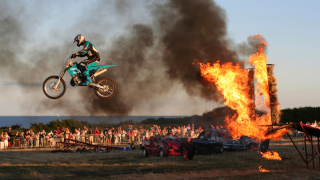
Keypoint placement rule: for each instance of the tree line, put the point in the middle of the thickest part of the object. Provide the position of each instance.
(215, 117)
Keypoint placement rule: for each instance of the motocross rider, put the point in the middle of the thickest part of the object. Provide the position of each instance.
(88, 50)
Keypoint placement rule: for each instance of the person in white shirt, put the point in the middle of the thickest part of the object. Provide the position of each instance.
(124, 133)
(6, 138)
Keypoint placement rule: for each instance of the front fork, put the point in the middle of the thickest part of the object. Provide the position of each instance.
(63, 71)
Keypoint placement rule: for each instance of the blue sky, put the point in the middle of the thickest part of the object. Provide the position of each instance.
(291, 29)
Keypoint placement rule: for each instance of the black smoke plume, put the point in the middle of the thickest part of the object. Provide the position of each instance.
(150, 59)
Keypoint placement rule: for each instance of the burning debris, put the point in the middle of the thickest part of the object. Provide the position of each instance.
(232, 81)
(274, 104)
(263, 170)
(271, 155)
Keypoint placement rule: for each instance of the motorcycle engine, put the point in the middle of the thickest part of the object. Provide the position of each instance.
(77, 79)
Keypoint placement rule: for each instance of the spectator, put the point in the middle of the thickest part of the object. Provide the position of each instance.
(185, 130)
(17, 140)
(189, 147)
(90, 136)
(110, 136)
(136, 135)
(165, 131)
(193, 135)
(11, 137)
(113, 134)
(6, 138)
(189, 129)
(147, 134)
(119, 134)
(101, 137)
(170, 136)
(106, 135)
(1, 141)
(43, 137)
(50, 134)
(58, 130)
(85, 129)
(22, 140)
(123, 136)
(27, 136)
(170, 130)
(32, 140)
(83, 136)
(96, 134)
(47, 140)
(37, 139)
(133, 135)
(129, 135)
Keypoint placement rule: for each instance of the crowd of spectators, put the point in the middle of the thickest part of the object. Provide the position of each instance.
(107, 136)
(112, 136)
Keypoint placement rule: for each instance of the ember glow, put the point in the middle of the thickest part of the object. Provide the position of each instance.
(232, 82)
(271, 155)
(263, 170)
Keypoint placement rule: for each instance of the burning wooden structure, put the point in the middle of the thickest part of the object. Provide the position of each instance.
(274, 103)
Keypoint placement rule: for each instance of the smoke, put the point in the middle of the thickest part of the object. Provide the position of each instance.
(150, 57)
(129, 54)
(196, 31)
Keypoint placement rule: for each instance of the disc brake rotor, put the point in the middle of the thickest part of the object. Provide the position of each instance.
(52, 87)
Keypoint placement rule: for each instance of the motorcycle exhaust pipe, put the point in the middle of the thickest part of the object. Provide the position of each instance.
(99, 72)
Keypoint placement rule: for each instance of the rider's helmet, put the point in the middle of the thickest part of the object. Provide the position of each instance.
(80, 40)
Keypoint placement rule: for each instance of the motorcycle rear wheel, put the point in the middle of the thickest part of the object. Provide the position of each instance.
(109, 90)
(50, 91)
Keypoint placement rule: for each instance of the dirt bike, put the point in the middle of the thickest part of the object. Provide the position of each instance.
(54, 87)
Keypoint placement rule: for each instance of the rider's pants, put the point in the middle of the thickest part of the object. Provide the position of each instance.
(86, 72)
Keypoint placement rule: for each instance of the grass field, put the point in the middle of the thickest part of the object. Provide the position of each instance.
(131, 165)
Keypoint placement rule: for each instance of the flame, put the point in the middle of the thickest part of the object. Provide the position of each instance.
(232, 81)
(263, 170)
(271, 155)
(259, 60)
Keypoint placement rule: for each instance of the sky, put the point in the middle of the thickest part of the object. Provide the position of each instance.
(291, 29)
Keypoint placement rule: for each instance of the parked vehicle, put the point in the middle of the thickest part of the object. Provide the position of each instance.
(161, 147)
(251, 143)
(223, 136)
(207, 146)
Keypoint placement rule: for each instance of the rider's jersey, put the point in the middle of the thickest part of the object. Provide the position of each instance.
(88, 50)
(91, 52)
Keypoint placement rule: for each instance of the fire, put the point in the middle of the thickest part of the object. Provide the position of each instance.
(259, 60)
(263, 170)
(232, 81)
(271, 155)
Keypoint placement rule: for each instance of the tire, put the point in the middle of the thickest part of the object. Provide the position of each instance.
(252, 146)
(144, 152)
(221, 149)
(264, 145)
(110, 88)
(48, 89)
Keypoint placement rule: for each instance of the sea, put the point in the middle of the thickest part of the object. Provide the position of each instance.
(25, 121)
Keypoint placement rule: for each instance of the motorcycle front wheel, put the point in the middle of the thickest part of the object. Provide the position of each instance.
(109, 89)
(50, 88)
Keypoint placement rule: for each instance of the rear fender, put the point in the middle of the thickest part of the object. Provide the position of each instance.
(99, 67)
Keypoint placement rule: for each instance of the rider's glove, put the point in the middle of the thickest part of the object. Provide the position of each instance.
(73, 56)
